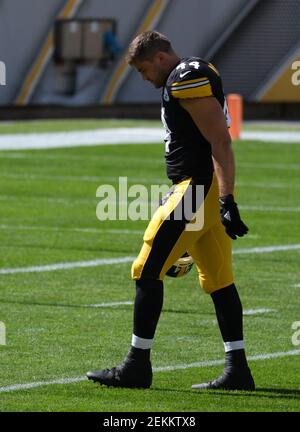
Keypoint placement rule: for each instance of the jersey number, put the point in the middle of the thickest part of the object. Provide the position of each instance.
(195, 64)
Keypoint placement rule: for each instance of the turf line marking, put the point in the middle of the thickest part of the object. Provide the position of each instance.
(272, 137)
(109, 261)
(27, 386)
(266, 249)
(96, 137)
(121, 303)
(275, 166)
(257, 311)
(267, 356)
(270, 208)
(85, 230)
(296, 285)
(267, 185)
(66, 266)
(101, 305)
(110, 136)
(221, 361)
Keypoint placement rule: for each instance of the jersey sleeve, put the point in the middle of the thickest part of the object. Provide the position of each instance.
(190, 80)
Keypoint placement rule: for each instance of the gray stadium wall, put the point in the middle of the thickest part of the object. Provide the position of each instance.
(236, 35)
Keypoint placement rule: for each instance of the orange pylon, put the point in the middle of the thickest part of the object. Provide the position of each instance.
(235, 108)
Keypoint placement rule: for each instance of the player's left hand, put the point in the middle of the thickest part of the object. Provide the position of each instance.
(230, 217)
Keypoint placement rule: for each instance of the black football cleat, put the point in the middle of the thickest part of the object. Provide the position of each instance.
(235, 379)
(130, 374)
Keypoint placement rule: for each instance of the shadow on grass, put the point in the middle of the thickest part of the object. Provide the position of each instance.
(259, 392)
(288, 393)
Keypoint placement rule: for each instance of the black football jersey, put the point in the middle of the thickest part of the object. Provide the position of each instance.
(187, 152)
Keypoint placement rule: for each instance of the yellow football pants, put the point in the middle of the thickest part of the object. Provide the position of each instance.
(166, 240)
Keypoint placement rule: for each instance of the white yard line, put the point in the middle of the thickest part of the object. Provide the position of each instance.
(248, 185)
(273, 137)
(274, 166)
(270, 208)
(104, 305)
(129, 302)
(257, 311)
(67, 265)
(267, 249)
(267, 356)
(109, 261)
(95, 137)
(84, 230)
(220, 362)
(46, 140)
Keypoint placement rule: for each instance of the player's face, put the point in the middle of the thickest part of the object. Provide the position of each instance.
(152, 71)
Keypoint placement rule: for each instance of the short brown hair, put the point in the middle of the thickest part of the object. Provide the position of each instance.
(146, 45)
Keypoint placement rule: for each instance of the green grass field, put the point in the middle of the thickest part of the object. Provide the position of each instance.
(47, 216)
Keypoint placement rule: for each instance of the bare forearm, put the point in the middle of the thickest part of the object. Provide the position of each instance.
(224, 165)
(210, 120)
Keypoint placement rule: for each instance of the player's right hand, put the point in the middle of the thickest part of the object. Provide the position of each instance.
(230, 217)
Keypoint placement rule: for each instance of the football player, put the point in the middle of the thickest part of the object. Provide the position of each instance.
(198, 152)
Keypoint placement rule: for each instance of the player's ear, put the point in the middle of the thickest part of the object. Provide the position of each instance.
(159, 56)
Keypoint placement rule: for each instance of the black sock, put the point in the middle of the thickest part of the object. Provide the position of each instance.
(229, 313)
(147, 308)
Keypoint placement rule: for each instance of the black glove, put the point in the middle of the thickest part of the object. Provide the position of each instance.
(230, 217)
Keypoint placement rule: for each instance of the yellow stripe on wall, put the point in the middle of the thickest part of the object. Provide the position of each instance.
(46, 51)
(153, 14)
(283, 88)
